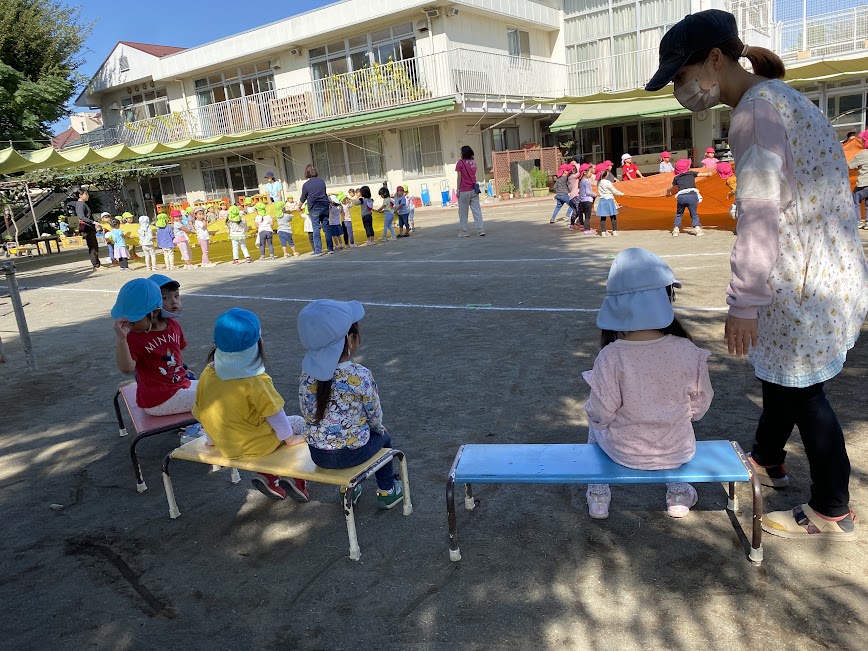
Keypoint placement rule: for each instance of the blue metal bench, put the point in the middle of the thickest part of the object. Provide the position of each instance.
(715, 461)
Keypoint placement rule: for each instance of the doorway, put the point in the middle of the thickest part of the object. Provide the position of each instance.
(613, 140)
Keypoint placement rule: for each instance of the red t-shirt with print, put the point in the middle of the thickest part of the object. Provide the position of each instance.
(159, 369)
(629, 171)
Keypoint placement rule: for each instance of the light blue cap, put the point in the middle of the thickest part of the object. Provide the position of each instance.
(322, 327)
(636, 297)
(137, 299)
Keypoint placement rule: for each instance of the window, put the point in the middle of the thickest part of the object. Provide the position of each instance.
(242, 176)
(846, 113)
(244, 81)
(652, 137)
(518, 42)
(498, 139)
(172, 188)
(420, 151)
(590, 145)
(214, 179)
(353, 160)
(682, 134)
(357, 52)
(142, 106)
(289, 165)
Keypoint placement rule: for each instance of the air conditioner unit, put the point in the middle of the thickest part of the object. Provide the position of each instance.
(274, 64)
(295, 51)
(432, 13)
(453, 11)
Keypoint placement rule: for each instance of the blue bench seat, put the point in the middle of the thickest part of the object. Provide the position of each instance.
(715, 461)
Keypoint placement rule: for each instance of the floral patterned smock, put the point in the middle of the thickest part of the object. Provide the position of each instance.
(353, 413)
(798, 264)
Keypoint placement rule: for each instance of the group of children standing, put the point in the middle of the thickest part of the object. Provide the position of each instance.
(573, 188)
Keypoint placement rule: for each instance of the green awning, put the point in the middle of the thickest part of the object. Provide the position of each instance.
(586, 114)
(12, 161)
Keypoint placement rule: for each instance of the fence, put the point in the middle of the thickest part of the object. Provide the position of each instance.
(547, 159)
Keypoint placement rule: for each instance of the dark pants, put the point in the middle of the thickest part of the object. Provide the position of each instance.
(860, 194)
(690, 201)
(368, 223)
(318, 213)
(92, 247)
(326, 231)
(785, 407)
(124, 263)
(603, 223)
(347, 458)
(587, 207)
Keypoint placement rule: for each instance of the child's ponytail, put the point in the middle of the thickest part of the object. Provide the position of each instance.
(324, 387)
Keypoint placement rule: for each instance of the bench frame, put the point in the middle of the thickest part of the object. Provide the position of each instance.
(756, 549)
(141, 486)
(373, 464)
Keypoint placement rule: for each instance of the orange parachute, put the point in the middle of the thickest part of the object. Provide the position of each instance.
(645, 205)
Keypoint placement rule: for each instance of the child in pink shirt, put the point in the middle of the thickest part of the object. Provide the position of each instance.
(649, 382)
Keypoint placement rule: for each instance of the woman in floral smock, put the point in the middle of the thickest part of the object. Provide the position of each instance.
(799, 289)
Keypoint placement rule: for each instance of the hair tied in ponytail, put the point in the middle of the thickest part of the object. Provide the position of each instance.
(745, 50)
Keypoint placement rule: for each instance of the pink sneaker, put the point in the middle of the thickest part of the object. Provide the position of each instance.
(599, 496)
(679, 498)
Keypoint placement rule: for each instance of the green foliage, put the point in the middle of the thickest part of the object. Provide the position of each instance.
(538, 178)
(41, 42)
(109, 177)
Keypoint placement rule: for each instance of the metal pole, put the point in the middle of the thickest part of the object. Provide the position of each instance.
(8, 267)
(32, 211)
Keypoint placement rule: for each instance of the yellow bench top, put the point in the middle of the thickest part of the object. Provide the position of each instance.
(286, 461)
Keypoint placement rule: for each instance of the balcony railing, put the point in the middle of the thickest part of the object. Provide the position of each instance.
(823, 35)
(612, 74)
(375, 88)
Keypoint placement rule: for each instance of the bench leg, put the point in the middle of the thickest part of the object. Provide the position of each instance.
(732, 502)
(469, 504)
(454, 551)
(234, 476)
(121, 427)
(141, 486)
(405, 484)
(756, 550)
(170, 491)
(355, 551)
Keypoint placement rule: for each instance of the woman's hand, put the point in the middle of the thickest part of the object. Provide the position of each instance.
(740, 334)
(122, 328)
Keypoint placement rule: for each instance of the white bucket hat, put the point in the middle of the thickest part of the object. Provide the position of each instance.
(636, 297)
(322, 327)
(625, 157)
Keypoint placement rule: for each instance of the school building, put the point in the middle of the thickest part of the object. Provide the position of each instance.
(374, 90)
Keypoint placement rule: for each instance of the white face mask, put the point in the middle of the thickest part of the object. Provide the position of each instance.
(694, 98)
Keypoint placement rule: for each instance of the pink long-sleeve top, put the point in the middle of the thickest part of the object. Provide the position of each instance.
(798, 263)
(644, 397)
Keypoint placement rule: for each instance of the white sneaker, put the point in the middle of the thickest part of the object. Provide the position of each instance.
(463, 234)
(679, 498)
(604, 234)
(697, 230)
(615, 233)
(599, 496)
(480, 232)
(675, 232)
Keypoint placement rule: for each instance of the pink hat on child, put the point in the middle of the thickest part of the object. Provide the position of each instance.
(665, 154)
(864, 137)
(724, 169)
(584, 167)
(710, 150)
(682, 165)
(602, 167)
(566, 167)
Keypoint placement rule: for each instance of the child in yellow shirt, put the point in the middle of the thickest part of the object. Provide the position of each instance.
(240, 410)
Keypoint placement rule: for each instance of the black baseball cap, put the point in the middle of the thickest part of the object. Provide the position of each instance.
(694, 33)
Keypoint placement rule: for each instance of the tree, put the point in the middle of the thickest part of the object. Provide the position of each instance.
(41, 42)
(108, 177)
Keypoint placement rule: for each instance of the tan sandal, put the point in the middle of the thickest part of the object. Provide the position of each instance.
(804, 522)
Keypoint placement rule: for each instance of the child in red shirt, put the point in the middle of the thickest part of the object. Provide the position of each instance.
(150, 346)
(629, 169)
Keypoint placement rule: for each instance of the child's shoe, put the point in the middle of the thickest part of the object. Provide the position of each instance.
(590, 231)
(604, 233)
(235, 262)
(390, 498)
(679, 498)
(357, 493)
(286, 255)
(463, 234)
(676, 231)
(772, 476)
(295, 488)
(269, 485)
(616, 233)
(599, 496)
(248, 260)
(697, 231)
(271, 257)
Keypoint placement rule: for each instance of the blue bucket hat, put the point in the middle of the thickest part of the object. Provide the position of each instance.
(322, 327)
(236, 335)
(137, 299)
(636, 297)
(164, 282)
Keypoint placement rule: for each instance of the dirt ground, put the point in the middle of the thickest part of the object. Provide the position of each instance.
(88, 563)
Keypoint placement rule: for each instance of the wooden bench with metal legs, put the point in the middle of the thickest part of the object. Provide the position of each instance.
(293, 461)
(145, 426)
(715, 461)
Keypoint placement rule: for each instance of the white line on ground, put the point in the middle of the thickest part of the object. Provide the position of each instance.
(579, 257)
(418, 306)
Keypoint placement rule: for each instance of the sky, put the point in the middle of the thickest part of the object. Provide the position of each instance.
(183, 23)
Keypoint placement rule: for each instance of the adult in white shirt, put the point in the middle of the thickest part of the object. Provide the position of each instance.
(273, 188)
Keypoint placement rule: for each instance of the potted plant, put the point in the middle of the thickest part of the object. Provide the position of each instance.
(525, 187)
(540, 182)
(504, 191)
(512, 189)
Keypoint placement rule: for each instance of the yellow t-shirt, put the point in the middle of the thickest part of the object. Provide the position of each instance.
(233, 413)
